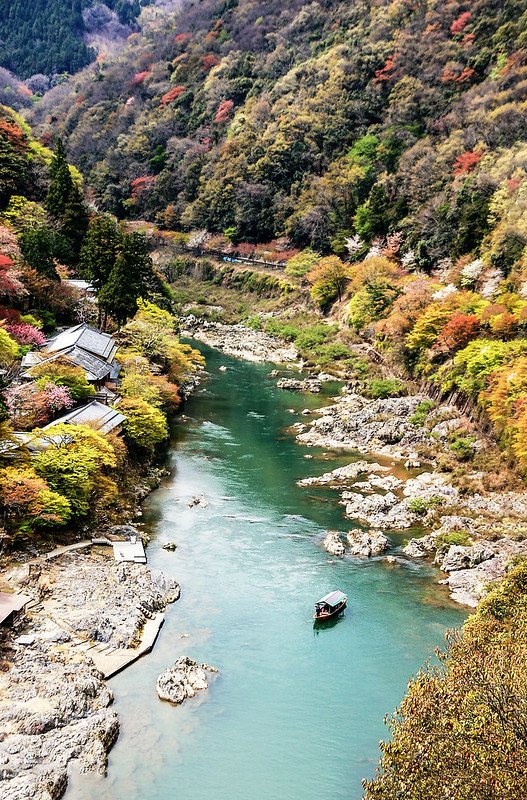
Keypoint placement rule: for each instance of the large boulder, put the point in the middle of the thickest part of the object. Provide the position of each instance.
(293, 384)
(333, 544)
(467, 586)
(367, 543)
(183, 680)
(463, 557)
(420, 547)
(343, 475)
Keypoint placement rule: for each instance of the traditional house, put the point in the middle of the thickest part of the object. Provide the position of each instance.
(99, 416)
(82, 346)
(84, 288)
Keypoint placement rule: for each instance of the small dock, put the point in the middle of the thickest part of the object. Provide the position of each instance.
(110, 661)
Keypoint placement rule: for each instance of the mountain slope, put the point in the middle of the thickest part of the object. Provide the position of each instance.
(319, 120)
(48, 36)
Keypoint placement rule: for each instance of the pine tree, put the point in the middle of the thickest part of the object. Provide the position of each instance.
(100, 249)
(132, 277)
(65, 204)
(74, 223)
(61, 183)
(39, 247)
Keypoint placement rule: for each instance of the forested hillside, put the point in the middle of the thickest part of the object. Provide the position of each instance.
(46, 231)
(47, 36)
(319, 120)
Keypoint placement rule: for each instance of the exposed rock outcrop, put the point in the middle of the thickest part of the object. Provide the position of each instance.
(183, 680)
(333, 544)
(358, 423)
(292, 384)
(239, 341)
(367, 543)
(343, 475)
(55, 707)
(463, 557)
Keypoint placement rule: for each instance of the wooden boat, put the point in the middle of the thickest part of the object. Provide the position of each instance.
(330, 606)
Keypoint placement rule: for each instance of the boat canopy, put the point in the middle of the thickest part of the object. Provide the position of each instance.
(333, 599)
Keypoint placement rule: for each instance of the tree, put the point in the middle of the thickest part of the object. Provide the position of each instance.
(145, 426)
(61, 373)
(39, 248)
(74, 463)
(100, 249)
(154, 389)
(10, 283)
(151, 335)
(302, 263)
(376, 282)
(8, 347)
(460, 732)
(426, 329)
(328, 280)
(27, 502)
(30, 404)
(65, 204)
(456, 332)
(132, 277)
(24, 214)
(74, 223)
(60, 183)
(373, 217)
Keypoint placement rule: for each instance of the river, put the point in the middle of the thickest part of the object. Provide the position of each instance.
(296, 713)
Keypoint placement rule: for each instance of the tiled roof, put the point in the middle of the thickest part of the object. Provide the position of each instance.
(96, 368)
(99, 344)
(104, 418)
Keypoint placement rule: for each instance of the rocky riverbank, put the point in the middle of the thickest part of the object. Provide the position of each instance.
(469, 533)
(55, 707)
(239, 341)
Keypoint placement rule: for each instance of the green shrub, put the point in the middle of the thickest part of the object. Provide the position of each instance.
(381, 388)
(463, 448)
(421, 412)
(282, 328)
(315, 335)
(418, 505)
(254, 322)
(334, 351)
(453, 538)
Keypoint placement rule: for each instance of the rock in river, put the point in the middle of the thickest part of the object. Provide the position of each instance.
(183, 680)
(367, 543)
(333, 544)
(307, 385)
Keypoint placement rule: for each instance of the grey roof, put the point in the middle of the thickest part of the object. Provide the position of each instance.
(11, 602)
(104, 418)
(94, 341)
(132, 550)
(31, 359)
(96, 368)
(77, 283)
(333, 598)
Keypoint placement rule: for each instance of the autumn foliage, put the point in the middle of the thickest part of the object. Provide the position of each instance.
(172, 95)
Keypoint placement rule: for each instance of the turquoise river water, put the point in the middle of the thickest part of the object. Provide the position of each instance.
(296, 713)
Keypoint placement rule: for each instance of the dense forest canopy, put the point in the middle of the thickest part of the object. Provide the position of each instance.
(48, 36)
(317, 120)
